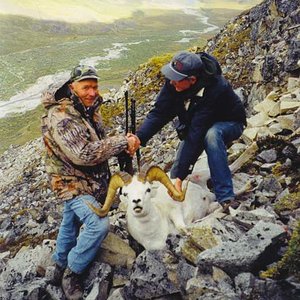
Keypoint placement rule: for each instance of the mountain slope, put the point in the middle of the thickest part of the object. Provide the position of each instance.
(260, 48)
(224, 256)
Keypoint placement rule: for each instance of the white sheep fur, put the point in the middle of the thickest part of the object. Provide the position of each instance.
(152, 214)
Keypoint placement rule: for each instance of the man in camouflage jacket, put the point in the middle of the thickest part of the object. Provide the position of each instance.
(77, 153)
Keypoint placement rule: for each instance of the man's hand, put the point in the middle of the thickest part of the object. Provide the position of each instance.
(178, 186)
(133, 143)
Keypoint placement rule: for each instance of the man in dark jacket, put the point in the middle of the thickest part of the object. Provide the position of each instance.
(210, 116)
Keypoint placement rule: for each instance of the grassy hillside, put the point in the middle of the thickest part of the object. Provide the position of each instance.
(33, 48)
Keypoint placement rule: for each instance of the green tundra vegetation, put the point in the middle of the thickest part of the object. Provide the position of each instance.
(32, 48)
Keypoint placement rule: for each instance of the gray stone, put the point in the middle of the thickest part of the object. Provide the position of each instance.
(267, 167)
(244, 283)
(252, 217)
(116, 295)
(270, 184)
(99, 290)
(269, 68)
(185, 272)
(214, 285)
(268, 156)
(55, 292)
(250, 252)
(121, 276)
(150, 277)
(293, 56)
(249, 287)
(115, 251)
(30, 291)
(97, 278)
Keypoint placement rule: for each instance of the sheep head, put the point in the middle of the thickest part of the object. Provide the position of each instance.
(137, 196)
(139, 190)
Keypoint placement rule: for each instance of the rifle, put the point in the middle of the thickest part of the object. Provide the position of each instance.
(133, 130)
(124, 159)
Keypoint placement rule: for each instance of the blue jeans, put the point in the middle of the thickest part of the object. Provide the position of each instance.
(216, 139)
(75, 251)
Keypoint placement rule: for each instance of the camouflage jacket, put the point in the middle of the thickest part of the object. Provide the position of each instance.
(77, 150)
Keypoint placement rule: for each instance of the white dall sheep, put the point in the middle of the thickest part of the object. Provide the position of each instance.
(151, 212)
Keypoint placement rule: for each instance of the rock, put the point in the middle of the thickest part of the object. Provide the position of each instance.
(267, 167)
(56, 293)
(268, 156)
(98, 282)
(249, 287)
(286, 106)
(250, 252)
(23, 267)
(115, 252)
(206, 234)
(250, 134)
(150, 277)
(211, 285)
(116, 295)
(259, 120)
(201, 238)
(270, 184)
(293, 83)
(250, 218)
(271, 108)
(185, 272)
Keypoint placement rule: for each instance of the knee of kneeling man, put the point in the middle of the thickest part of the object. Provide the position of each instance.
(211, 138)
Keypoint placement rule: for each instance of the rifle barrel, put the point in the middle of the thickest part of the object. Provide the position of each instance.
(133, 129)
(126, 112)
(133, 119)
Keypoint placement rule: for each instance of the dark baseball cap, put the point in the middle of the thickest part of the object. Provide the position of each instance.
(82, 72)
(183, 65)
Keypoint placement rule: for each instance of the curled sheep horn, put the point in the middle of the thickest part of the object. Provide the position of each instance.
(118, 180)
(155, 173)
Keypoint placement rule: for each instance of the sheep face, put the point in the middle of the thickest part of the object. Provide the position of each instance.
(137, 196)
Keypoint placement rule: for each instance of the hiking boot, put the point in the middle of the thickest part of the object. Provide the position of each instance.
(57, 275)
(229, 203)
(71, 285)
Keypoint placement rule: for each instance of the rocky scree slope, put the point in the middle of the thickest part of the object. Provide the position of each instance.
(225, 255)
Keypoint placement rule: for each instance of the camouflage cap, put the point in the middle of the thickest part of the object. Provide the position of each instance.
(82, 72)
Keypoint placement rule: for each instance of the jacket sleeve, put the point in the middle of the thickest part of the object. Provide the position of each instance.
(163, 112)
(73, 138)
